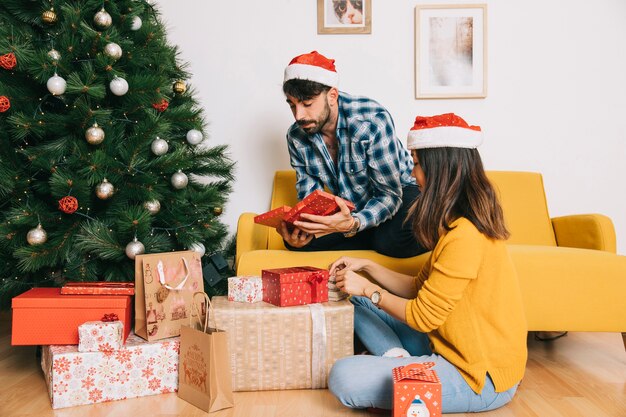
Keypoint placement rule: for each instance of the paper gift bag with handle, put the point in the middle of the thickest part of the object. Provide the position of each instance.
(204, 375)
(164, 288)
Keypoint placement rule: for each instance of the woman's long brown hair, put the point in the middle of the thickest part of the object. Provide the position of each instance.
(456, 186)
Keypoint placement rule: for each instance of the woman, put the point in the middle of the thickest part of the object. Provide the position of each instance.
(464, 310)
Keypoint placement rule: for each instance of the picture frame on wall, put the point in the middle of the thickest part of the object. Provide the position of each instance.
(344, 16)
(451, 51)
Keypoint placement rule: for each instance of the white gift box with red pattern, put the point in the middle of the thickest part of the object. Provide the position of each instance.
(245, 289)
(139, 369)
(100, 336)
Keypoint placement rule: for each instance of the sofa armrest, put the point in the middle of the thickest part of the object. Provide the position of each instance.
(250, 236)
(585, 231)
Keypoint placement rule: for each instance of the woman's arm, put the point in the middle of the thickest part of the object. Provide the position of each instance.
(399, 284)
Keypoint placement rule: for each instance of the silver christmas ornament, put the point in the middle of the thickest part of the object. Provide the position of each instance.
(54, 54)
(194, 137)
(105, 190)
(179, 180)
(198, 248)
(153, 206)
(94, 135)
(159, 146)
(56, 85)
(102, 19)
(135, 248)
(136, 25)
(36, 236)
(118, 86)
(113, 50)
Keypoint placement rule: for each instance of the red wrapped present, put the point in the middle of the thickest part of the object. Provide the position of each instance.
(43, 316)
(295, 286)
(319, 203)
(273, 217)
(416, 391)
(110, 288)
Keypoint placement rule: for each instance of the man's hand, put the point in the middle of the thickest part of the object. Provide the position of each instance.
(297, 238)
(340, 222)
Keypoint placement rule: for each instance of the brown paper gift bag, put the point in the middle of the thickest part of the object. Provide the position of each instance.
(204, 377)
(164, 288)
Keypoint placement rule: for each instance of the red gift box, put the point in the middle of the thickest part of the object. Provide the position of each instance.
(293, 286)
(43, 316)
(104, 288)
(319, 203)
(416, 391)
(273, 217)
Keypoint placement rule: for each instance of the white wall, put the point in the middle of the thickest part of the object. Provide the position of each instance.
(556, 99)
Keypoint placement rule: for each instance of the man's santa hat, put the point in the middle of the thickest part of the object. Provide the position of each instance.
(444, 130)
(313, 67)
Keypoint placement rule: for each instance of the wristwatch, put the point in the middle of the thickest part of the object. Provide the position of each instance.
(355, 227)
(375, 298)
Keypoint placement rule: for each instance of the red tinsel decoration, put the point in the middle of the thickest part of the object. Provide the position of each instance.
(5, 104)
(68, 204)
(161, 106)
(8, 61)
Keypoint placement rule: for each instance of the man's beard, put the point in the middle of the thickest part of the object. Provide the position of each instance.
(318, 124)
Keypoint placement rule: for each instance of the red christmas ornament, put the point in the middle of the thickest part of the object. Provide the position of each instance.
(8, 61)
(161, 106)
(5, 104)
(68, 204)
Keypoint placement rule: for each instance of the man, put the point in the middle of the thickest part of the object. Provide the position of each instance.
(348, 145)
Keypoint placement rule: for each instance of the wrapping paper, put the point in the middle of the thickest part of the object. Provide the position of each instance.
(138, 369)
(100, 336)
(416, 391)
(274, 348)
(295, 285)
(111, 288)
(245, 289)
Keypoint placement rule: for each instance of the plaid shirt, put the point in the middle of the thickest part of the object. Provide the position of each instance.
(372, 164)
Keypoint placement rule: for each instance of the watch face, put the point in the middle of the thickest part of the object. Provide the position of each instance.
(375, 297)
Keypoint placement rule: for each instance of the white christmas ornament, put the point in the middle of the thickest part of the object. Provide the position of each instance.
(135, 248)
(102, 19)
(159, 146)
(113, 50)
(153, 206)
(136, 25)
(118, 86)
(94, 135)
(105, 190)
(54, 54)
(36, 236)
(198, 248)
(179, 180)
(56, 85)
(194, 137)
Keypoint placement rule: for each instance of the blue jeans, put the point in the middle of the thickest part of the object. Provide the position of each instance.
(365, 381)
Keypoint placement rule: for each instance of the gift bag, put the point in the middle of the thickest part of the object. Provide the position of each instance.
(164, 288)
(204, 377)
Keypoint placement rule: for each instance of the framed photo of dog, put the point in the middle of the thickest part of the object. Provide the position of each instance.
(344, 16)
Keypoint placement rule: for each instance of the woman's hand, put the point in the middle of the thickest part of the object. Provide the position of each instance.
(349, 264)
(353, 283)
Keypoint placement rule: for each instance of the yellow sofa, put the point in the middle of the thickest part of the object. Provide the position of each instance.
(570, 275)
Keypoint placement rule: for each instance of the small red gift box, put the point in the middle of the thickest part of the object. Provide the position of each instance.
(295, 286)
(319, 203)
(105, 288)
(416, 391)
(273, 217)
(43, 316)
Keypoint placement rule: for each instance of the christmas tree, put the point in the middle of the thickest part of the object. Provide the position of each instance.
(103, 154)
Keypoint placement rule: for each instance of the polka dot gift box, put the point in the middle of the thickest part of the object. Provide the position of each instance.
(416, 391)
(294, 286)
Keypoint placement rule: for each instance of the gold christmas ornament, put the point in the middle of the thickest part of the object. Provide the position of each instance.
(54, 54)
(179, 87)
(102, 19)
(105, 190)
(49, 16)
(217, 211)
(36, 236)
(94, 135)
(153, 206)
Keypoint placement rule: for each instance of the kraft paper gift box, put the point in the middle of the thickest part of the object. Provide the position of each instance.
(110, 288)
(245, 289)
(43, 316)
(139, 369)
(416, 391)
(100, 336)
(277, 348)
(295, 285)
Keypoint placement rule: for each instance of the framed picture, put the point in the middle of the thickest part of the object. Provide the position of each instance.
(451, 51)
(344, 16)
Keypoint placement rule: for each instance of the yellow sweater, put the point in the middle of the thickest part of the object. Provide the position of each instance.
(469, 303)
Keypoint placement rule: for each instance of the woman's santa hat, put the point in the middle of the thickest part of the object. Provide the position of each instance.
(444, 130)
(313, 67)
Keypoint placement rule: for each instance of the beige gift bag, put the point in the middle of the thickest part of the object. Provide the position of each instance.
(204, 377)
(164, 288)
